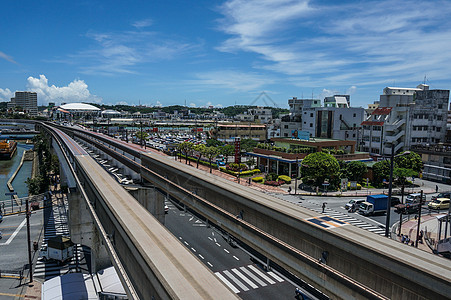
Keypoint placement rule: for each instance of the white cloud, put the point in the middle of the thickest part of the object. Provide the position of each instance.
(339, 44)
(233, 80)
(142, 23)
(158, 104)
(122, 103)
(5, 95)
(351, 90)
(7, 57)
(75, 91)
(192, 104)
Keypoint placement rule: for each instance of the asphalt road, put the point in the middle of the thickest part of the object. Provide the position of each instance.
(13, 245)
(231, 264)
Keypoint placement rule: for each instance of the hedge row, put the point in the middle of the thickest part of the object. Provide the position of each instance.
(244, 173)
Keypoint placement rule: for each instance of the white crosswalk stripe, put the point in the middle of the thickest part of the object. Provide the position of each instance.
(246, 277)
(348, 219)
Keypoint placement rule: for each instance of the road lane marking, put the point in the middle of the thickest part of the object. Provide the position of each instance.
(218, 245)
(252, 285)
(274, 275)
(226, 250)
(233, 288)
(210, 238)
(251, 275)
(186, 243)
(261, 274)
(15, 233)
(236, 257)
(193, 249)
(208, 263)
(234, 279)
(201, 256)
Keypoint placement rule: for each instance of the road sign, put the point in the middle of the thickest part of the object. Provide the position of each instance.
(11, 194)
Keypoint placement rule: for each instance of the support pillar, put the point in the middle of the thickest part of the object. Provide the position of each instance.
(151, 199)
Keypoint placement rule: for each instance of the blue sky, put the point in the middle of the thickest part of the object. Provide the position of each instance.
(221, 53)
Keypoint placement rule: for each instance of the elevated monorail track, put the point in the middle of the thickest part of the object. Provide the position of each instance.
(359, 265)
(151, 263)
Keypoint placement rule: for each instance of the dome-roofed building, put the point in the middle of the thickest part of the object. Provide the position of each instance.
(77, 110)
(110, 113)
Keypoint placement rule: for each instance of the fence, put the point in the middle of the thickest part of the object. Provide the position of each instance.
(14, 206)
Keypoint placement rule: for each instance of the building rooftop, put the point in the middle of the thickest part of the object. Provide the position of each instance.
(79, 107)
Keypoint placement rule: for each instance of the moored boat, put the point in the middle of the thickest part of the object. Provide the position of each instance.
(7, 149)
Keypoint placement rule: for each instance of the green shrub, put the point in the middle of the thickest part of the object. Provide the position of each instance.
(284, 178)
(271, 176)
(256, 171)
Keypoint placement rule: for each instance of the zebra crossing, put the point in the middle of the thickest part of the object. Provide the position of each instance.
(245, 278)
(351, 220)
(56, 224)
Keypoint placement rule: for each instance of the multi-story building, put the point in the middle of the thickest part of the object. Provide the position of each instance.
(336, 120)
(228, 132)
(406, 117)
(258, 115)
(293, 121)
(27, 101)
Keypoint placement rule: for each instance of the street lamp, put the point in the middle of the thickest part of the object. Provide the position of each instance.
(392, 158)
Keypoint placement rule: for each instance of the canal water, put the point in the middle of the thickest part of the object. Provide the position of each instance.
(7, 168)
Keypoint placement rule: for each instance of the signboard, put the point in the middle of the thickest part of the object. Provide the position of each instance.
(11, 194)
(300, 135)
(344, 184)
(237, 150)
(353, 184)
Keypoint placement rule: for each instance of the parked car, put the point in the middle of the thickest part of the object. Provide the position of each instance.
(166, 209)
(442, 195)
(407, 208)
(439, 203)
(356, 203)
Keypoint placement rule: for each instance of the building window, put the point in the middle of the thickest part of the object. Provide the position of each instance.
(439, 118)
(354, 115)
(438, 129)
(311, 124)
(311, 115)
(285, 134)
(440, 106)
(353, 135)
(285, 126)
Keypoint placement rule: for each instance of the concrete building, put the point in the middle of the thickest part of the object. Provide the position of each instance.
(336, 120)
(27, 101)
(228, 132)
(257, 115)
(406, 117)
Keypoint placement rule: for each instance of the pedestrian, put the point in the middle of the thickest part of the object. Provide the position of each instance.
(407, 240)
(436, 188)
(289, 190)
(403, 238)
(324, 206)
(420, 237)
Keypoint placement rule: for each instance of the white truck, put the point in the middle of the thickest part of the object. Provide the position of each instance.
(58, 248)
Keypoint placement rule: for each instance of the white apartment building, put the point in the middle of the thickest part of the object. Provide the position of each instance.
(406, 117)
(28, 101)
(259, 115)
(336, 120)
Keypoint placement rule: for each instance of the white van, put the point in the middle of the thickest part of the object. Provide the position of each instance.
(415, 198)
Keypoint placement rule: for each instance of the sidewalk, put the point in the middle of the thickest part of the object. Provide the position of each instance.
(428, 224)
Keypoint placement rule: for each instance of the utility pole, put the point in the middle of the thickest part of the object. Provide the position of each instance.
(419, 219)
(387, 220)
(296, 177)
(27, 211)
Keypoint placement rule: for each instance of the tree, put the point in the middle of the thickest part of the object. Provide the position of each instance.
(409, 161)
(356, 170)
(213, 142)
(210, 153)
(250, 162)
(185, 148)
(226, 151)
(381, 171)
(318, 166)
(141, 136)
(200, 149)
(248, 144)
(401, 174)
